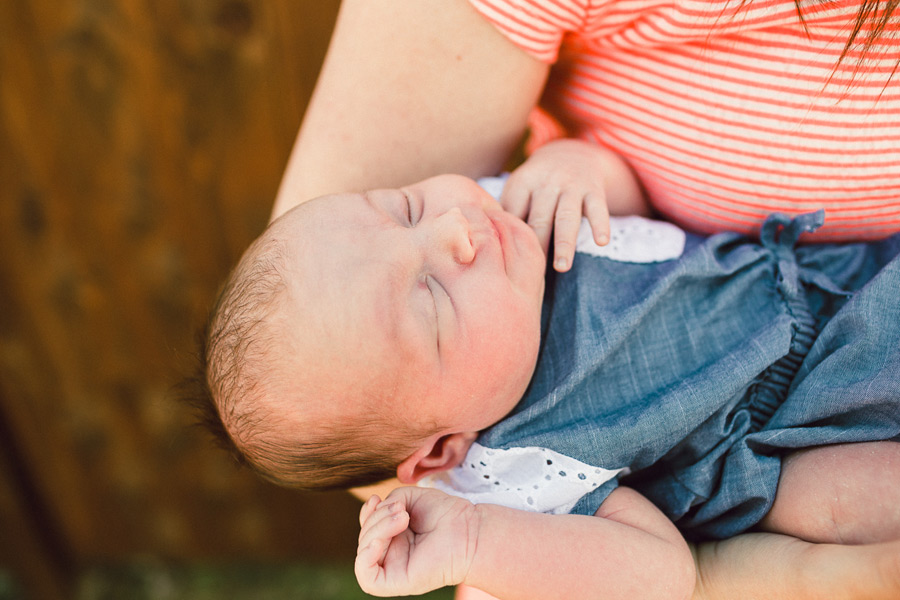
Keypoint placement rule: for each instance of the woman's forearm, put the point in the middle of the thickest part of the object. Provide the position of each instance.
(769, 566)
(409, 90)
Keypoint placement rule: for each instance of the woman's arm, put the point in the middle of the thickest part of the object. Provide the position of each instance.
(409, 90)
(771, 566)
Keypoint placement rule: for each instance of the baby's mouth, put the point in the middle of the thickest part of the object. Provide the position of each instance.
(501, 234)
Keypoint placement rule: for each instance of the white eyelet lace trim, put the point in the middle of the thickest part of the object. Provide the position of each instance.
(532, 479)
(635, 240)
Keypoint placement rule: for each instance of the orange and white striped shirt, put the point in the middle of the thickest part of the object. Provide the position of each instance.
(726, 115)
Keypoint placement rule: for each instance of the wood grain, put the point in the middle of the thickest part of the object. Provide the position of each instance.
(141, 145)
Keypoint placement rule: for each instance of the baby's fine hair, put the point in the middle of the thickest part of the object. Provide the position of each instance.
(237, 372)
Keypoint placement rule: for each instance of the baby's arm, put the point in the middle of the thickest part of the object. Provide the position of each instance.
(422, 539)
(565, 179)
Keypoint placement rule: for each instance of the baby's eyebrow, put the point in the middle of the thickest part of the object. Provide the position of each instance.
(368, 206)
(379, 214)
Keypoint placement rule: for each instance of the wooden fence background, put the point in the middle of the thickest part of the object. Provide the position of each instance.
(141, 145)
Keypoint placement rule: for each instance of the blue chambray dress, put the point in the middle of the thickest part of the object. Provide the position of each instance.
(691, 378)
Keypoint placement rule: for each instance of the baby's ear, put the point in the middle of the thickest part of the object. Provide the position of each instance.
(438, 453)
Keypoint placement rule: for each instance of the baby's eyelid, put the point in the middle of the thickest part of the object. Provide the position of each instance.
(429, 282)
(409, 209)
(415, 209)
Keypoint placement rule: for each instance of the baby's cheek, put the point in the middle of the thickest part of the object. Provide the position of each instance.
(511, 362)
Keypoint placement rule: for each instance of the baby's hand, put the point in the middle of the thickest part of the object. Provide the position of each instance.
(559, 183)
(415, 541)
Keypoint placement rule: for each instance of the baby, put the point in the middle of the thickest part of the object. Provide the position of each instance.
(366, 336)
(376, 301)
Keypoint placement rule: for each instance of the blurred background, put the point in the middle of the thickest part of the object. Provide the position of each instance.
(141, 146)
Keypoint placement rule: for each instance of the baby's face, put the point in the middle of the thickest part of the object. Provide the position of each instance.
(431, 294)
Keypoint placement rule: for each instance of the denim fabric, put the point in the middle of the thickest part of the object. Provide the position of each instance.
(699, 374)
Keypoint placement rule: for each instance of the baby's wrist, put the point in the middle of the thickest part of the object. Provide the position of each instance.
(486, 547)
(474, 521)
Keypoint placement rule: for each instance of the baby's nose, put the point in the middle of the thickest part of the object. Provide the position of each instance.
(452, 233)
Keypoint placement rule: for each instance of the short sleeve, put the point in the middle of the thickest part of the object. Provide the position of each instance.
(536, 26)
(532, 479)
(590, 503)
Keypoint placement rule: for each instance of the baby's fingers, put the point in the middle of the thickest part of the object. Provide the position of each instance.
(367, 509)
(373, 565)
(369, 570)
(541, 214)
(388, 520)
(565, 230)
(597, 213)
(515, 198)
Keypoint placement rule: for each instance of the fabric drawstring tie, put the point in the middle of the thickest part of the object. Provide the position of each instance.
(779, 234)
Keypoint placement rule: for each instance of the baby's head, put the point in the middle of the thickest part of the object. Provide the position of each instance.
(364, 336)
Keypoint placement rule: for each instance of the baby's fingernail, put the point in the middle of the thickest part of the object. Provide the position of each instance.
(602, 239)
(560, 263)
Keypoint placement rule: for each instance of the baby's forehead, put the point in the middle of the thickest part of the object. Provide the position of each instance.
(339, 291)
(322, 220)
